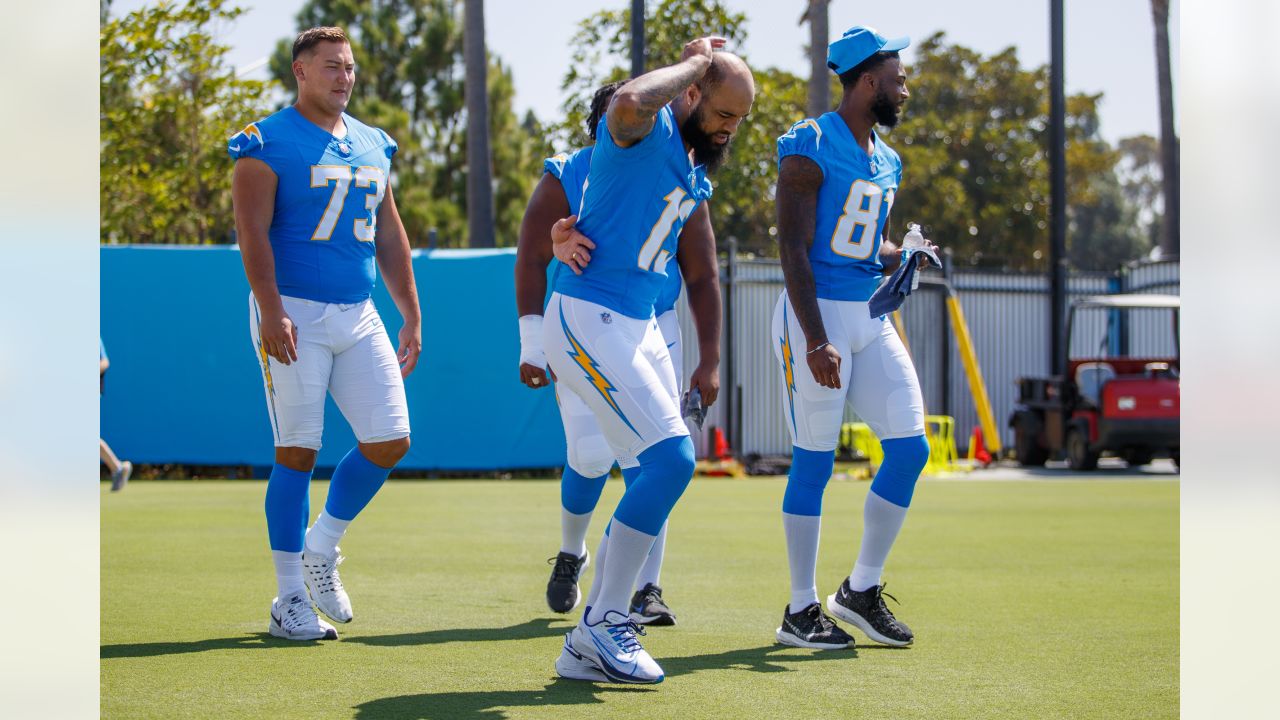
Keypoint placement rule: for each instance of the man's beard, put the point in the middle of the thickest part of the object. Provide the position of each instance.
(885, 111)
(705, 151)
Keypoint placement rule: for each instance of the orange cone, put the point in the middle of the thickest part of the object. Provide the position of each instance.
(720, 450)
(977, 449)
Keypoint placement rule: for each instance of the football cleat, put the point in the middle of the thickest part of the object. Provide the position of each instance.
(571, 664)
(611, 645)
(812, 628)
(321, 574)
(648, 608)
(120, 477)
(867, 611)
(563, 594)
(293, 618)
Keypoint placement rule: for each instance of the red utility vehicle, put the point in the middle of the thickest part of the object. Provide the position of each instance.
(1113, 401)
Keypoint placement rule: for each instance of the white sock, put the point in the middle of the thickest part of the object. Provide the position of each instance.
(602, 551)
(323, 537)
(288, 573)
(802, 556)
(881, 521)
(652, 570)
(573, 532)
(628, 548)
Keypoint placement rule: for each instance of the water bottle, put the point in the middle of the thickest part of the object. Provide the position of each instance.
(913, 240)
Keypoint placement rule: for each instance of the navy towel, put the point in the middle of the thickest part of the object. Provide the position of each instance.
(892, 292)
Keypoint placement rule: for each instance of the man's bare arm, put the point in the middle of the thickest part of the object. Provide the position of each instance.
(395, 260)
(635, 105)
(253, 197)
(696, 254)
(547, 204)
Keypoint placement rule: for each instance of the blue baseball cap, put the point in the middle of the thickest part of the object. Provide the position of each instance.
(857, 44)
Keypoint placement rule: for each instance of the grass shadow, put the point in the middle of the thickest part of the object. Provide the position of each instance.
(763, 659)
(488, 705)
(537, 628)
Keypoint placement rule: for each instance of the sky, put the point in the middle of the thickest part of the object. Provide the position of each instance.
(1109, 44)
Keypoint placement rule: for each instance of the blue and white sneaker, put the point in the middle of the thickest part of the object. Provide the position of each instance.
(293, 618)
(571, 664)
(611, 645)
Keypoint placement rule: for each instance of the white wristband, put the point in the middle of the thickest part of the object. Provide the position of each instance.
(531, 341)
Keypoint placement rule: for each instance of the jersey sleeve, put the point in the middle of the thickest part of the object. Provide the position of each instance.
(252, 142)
(805, 139)
(555, 164)
(664, 127)
(389, 143)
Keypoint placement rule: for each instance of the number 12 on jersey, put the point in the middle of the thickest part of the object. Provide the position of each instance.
(856, 231)
(677, 207)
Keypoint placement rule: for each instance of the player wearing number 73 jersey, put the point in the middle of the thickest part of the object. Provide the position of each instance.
(314, 211)
(836, 184)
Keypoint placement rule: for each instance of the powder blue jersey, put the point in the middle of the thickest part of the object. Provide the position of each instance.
(328, 191)
(571, 170)
(853, 204)
(635, 201)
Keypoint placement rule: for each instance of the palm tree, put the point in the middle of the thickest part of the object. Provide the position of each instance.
(819, 84)
(1169, 153)
(479, 183)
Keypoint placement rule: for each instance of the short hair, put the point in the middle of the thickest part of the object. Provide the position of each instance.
(850, 77)
(312, 37)
(600, 105)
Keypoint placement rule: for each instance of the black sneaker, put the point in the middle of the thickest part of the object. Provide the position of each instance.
(812, 628)
(647, 607)
(867, 611)
(562, 589)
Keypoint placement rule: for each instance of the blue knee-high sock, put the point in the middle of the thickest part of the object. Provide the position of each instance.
(288, 505)
(578, 493)
(904, 459)
(355, 481)
(885, 509)
(665, 471)
(810, 471)
(802, 521)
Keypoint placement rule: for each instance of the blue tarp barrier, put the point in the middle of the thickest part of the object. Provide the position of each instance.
(185, 385)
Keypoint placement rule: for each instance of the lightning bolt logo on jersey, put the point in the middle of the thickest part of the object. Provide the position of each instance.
(571, 171)
(328, 191)
(635, 201)
(853, 204)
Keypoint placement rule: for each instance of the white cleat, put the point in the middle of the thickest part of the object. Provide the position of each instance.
(610, 644)
(293, 618)
(571, 664)
(121, 476)
(321, 573)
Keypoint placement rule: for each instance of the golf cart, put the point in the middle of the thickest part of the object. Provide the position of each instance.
(1112, 400)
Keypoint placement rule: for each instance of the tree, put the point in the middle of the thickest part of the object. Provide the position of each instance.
(410, 81)
(168, 102)
(1140, 181)
(973, 140)
(479, 162)
(819, 74)
(1169, 153)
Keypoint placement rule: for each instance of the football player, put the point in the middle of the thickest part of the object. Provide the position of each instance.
(836, 185)
(662, 133)
(314, 212)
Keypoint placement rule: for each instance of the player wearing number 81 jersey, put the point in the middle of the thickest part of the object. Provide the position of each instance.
(314, 211)
(836, 185)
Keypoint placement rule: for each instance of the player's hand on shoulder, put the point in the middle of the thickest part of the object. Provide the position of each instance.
(824, 363)
(706, 378)
(410, 348)
(279, 337)
(703, 46)
(570, 246)
(533, 376)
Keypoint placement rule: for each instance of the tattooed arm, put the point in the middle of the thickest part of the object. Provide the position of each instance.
(798, 182)
(635, 105)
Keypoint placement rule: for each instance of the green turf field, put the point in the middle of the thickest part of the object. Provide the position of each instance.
(1033, 599)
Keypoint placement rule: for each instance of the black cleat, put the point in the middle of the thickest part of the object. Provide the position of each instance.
(867, 611)
(563, 594)
(647, 607)
(812, 628)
